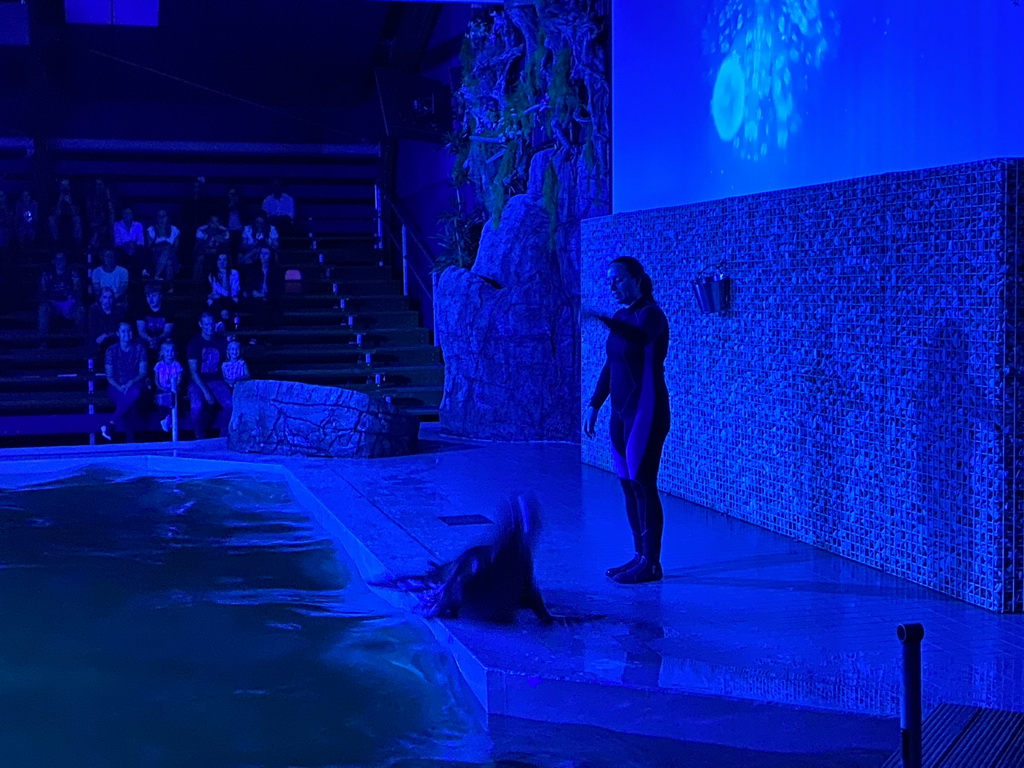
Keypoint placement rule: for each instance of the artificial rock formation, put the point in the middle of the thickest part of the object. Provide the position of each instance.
(289, 418)
(509, 330)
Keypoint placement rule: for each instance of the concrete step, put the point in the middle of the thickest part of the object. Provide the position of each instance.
(384, 375)
(374, 337)
(329, 316)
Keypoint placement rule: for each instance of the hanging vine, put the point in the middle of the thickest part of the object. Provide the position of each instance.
(533, 77)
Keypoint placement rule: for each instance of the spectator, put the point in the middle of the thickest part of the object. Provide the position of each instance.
(66, 217)
(225, 288)
(128, 236)
(262, 288)
(257, 234)
(206, 388)
(279, 207)
(112, 276)
(163, 241)
(127, 369)
(157, 322)
(60, 292)
(99, 208)
(234, 370)
(167, 377)
(104, 317)
(26, 220)
(211, 239)
(236, 215)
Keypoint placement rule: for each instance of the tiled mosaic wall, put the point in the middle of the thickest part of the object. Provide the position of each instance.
(860, 393)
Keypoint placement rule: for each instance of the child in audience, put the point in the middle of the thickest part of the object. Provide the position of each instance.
(234, 369)
(167, 375)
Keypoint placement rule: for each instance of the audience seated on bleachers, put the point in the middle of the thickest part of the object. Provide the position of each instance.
(257, 234)
(280, 208)
(211, 239)
(206, 387)
(225, 289)
(104, 317)
(26, 220)
(111, 275)
(129, 237)
(66, 217)
(60, 294)
(100, 211)
(157, 322)
(167, 375)
(163, 242)
(127, 368)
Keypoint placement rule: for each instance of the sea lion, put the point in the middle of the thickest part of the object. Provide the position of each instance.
(488, 582)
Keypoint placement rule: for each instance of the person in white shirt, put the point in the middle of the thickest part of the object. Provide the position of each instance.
(279, 207)
(129, 237)
(112, 276)
(163, 240)
(225, 288)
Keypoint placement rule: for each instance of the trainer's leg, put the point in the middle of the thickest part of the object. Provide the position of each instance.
(650, 513)
(632, 515)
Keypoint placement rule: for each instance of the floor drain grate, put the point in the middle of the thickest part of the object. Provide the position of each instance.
(466, 520)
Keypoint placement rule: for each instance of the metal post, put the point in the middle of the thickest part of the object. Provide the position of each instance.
(910, 636)
(174, 416)
(91, 388)
(405, 260)
(379, 207)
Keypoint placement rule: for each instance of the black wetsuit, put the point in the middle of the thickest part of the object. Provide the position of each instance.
(634, 376)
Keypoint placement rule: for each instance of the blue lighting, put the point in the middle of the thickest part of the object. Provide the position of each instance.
(719, 98)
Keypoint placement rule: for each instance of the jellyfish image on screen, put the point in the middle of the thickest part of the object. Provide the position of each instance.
(764, 54)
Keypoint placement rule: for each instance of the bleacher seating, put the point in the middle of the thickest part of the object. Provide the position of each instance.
(344, 321)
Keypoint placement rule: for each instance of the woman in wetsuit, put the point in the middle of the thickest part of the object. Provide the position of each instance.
(634, 377)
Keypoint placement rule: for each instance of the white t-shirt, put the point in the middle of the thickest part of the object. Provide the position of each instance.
(283, 207)
(172, 238)
(117, 280)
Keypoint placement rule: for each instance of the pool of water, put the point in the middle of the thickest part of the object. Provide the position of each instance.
(158, 619)
(205, 621)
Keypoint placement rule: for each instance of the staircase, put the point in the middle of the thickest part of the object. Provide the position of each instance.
(345, 320)
(346, 323)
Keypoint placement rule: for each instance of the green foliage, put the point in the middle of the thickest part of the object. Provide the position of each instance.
(533, 77)
(459, 232)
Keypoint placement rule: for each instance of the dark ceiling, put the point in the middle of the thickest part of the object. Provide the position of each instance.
(301, 56)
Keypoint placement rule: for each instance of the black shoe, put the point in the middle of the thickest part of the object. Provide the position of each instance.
(611, 573)
(642, 573)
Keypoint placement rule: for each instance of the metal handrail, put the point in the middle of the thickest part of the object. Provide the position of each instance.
(413, 232)
(408, 232)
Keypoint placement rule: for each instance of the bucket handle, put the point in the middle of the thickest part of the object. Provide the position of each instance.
(711, 272)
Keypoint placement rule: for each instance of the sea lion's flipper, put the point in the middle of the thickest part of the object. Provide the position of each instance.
(533, 600)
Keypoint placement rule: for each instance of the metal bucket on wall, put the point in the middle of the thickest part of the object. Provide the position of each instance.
(712, 292)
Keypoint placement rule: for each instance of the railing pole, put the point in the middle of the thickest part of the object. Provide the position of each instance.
(379, 206)
(91, 391)
(405, 260)
(910, 636)
(174, 416)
